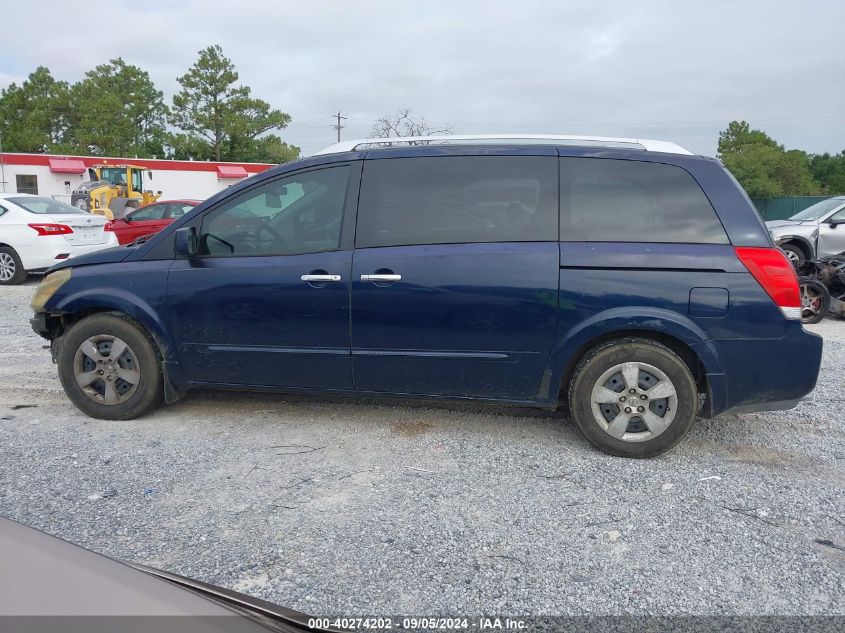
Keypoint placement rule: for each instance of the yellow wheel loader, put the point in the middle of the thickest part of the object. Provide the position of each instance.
(113, 190)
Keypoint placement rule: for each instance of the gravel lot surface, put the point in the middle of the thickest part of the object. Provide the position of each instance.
(384, 507)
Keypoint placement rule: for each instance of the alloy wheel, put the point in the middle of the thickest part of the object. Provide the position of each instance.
(811, 301)
(7, 267)
(792, 256)
(634, 402)
(106, 369)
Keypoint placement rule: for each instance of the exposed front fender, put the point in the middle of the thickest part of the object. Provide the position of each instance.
(119, 300)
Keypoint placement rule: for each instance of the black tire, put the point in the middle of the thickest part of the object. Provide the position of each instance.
(150, 388)
(820, 296)
(606, 356)
(10, 262)
(795, 254)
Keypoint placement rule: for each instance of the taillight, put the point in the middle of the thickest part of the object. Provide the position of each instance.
(108, 226)
(51, 229)
(776, 274)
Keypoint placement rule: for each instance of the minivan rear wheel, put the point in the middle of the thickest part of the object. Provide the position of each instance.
(633, 397)
(109, 368)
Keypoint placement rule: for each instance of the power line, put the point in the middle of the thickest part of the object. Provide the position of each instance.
(313, 125)
(614, 123)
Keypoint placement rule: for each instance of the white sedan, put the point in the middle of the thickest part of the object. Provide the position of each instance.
(37, 232)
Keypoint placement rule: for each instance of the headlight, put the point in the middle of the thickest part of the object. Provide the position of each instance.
(47, 288)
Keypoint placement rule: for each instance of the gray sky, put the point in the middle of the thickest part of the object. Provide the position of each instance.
(675, 70)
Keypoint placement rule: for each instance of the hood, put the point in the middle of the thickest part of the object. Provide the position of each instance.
(46, 576)
(783, 228)
(106, 256)
(88, 185)
(773, 224)
(43, 575)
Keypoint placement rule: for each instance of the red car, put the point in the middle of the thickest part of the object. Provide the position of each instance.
(149, 219)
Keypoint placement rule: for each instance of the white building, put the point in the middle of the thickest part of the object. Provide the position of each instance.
(57, 176)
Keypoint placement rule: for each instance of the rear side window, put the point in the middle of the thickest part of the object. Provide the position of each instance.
(44, 205)
(152, 212)
(606, 200)
(457, 199)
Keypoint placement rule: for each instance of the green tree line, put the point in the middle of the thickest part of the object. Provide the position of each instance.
(116, 110)
(766, 169)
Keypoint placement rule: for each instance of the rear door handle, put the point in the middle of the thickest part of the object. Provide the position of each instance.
(381, 277)
(320, 278)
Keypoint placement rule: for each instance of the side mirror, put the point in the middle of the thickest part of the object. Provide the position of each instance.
(150, 174)
(185, 242)
(834, 223)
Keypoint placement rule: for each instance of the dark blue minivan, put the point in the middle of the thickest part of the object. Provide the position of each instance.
(627, 279)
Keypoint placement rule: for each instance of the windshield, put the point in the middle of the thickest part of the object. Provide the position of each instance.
(113, 175)
(45, 206)
(818, 210)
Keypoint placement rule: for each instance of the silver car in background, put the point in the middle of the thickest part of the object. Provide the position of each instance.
(817, 231)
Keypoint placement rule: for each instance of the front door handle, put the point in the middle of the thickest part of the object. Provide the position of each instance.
(381, 277)
(320, 278)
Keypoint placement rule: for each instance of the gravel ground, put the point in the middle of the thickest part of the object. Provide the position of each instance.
(384, 507)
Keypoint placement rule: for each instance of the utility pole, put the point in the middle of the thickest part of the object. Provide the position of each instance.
(2, 165)
(338, 126)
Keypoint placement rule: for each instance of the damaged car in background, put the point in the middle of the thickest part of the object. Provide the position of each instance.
(814, 232)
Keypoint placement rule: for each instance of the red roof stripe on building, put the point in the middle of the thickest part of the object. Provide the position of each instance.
(65, 166)
(43, 160)
(231, 171)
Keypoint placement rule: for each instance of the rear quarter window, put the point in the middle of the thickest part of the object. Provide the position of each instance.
(42, 205)
(609, 200)
(457, 199)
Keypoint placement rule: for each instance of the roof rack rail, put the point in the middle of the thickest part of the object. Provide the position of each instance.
(522, 139)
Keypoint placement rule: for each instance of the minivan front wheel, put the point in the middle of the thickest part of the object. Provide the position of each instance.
(109, 368)
(633, 397)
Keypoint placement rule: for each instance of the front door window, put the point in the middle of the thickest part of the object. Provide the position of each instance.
(290, 216)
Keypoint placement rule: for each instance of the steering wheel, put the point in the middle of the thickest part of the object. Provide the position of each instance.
(274, 235)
